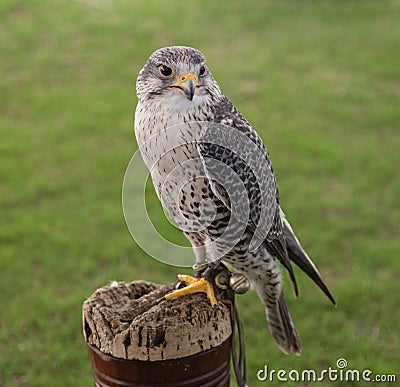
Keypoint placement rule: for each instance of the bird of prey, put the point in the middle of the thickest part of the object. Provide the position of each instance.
(213, 176)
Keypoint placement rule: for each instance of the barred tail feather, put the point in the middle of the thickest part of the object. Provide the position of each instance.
(265, 278)
(282, 328)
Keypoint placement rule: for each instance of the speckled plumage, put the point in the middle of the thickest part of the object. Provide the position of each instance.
(214, 176)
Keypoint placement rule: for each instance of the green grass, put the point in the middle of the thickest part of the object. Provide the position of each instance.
(321, 83)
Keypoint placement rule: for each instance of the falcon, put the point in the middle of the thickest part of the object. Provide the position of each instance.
(214, 178)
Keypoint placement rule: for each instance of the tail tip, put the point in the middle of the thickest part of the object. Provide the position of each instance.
(295, 348)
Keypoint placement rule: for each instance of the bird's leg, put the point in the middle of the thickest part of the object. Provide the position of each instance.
(202, 282)
(195, 285)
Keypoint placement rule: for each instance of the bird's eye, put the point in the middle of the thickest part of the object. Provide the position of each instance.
(166, 71)
(202, 71)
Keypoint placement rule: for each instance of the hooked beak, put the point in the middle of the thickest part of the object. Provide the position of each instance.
(186, 85)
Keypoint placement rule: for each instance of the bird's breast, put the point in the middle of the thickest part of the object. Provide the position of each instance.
(167, 142)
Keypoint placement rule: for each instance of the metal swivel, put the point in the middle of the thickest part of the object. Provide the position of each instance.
(239, 283)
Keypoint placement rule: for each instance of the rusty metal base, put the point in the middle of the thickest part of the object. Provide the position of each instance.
(207, 369)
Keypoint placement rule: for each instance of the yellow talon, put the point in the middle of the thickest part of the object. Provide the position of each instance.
(195, 285)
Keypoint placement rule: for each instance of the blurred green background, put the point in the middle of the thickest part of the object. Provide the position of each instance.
(320, 81)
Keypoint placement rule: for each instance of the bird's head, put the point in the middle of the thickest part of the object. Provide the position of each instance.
(177, 76)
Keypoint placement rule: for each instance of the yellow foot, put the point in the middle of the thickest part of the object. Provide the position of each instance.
(195, 285)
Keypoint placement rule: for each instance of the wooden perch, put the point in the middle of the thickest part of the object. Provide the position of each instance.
(120, 322)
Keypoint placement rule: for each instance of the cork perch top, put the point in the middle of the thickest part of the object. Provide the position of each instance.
(119, 320)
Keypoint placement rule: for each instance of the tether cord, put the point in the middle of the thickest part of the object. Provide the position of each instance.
(239, 363)
(211, 274)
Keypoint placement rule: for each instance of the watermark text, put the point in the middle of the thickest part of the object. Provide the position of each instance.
(339, 373)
